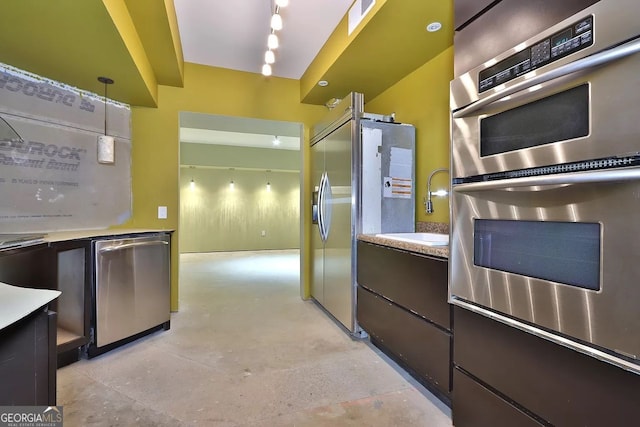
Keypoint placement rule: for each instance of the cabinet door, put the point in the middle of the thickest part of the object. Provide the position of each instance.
(422, 347)
(475, 405)
(27, 360)
(415, 282)
(338, 284)
(317, 245)
(562, 386)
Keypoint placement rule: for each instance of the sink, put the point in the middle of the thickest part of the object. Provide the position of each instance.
(426, 239)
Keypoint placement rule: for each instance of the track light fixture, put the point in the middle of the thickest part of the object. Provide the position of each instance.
(272, 39)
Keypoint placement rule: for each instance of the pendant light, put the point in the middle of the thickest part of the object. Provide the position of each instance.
(106, 144)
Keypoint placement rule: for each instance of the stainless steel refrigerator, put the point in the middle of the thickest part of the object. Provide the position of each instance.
(364, 182)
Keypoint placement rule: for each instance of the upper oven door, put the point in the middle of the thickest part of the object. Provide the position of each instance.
(558, 251)
(529, 108)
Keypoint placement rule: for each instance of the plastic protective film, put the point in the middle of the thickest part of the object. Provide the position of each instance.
(50, 178)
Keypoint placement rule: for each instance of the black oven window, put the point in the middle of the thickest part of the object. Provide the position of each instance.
(558, 117)
(562, 252)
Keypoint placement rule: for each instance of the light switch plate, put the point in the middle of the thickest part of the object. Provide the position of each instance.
(162, 212)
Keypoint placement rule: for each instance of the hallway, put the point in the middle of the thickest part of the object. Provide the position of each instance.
(244, 350)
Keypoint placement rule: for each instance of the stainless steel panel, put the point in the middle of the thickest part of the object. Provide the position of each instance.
(335, 151)
(611, 28)
(351, 106)
(607, 318)
(467, 9)
(613, 122)
(338, 279)
(505, 25)
(317, 242)
(71, 281)
(132, 286)
(397, 214)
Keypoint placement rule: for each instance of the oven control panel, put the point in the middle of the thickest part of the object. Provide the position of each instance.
(571, 39)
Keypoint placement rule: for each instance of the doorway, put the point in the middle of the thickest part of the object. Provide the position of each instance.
(240, 184)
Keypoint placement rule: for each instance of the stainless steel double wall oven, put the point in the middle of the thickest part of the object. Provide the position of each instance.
(546, 185)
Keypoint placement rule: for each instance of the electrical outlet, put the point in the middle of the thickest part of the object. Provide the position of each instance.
(263, 233)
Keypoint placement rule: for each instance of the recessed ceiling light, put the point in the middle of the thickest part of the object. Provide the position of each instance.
(434, 26)
(323, 83)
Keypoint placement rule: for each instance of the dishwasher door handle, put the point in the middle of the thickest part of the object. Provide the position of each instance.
(132, 245)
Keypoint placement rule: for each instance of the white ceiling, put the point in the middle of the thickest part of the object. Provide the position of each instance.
(200, 128)
(233, 34)
(236, 139)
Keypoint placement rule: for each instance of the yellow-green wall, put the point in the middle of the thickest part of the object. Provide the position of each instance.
(248, 216)
(155, 151)
(422, 99)
(228, 156)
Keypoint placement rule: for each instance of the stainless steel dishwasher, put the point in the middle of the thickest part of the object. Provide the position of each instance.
(131, 289)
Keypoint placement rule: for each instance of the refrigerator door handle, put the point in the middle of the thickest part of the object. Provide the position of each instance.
(321, 189)
(327, 201)
(314, 206)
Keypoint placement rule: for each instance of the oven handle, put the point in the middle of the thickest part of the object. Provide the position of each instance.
(592, 61)
(592, 177)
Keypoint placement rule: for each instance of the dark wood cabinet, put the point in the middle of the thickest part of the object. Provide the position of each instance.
(73, 277)
(63, 266)
(28, 267)
(552, 384)
(28, 361)
(402, 304)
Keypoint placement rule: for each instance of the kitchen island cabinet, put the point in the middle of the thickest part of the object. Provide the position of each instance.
(60, 266)
(402, 305)
(27, 346)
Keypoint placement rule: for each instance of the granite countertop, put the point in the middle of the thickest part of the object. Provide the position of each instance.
(17, 303)
(438, 251)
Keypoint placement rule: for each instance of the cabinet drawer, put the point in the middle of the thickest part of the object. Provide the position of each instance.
(560, 385)
(415, 282)
(475, 405)
(424, 348)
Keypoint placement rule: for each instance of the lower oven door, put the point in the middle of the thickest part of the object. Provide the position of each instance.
(560, 252)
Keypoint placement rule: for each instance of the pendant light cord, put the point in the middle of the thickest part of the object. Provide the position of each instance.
(107, 81)
(105, 108)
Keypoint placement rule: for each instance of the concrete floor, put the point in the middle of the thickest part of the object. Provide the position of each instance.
(245, 350)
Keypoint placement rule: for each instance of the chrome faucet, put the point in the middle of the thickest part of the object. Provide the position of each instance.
(427, 202)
